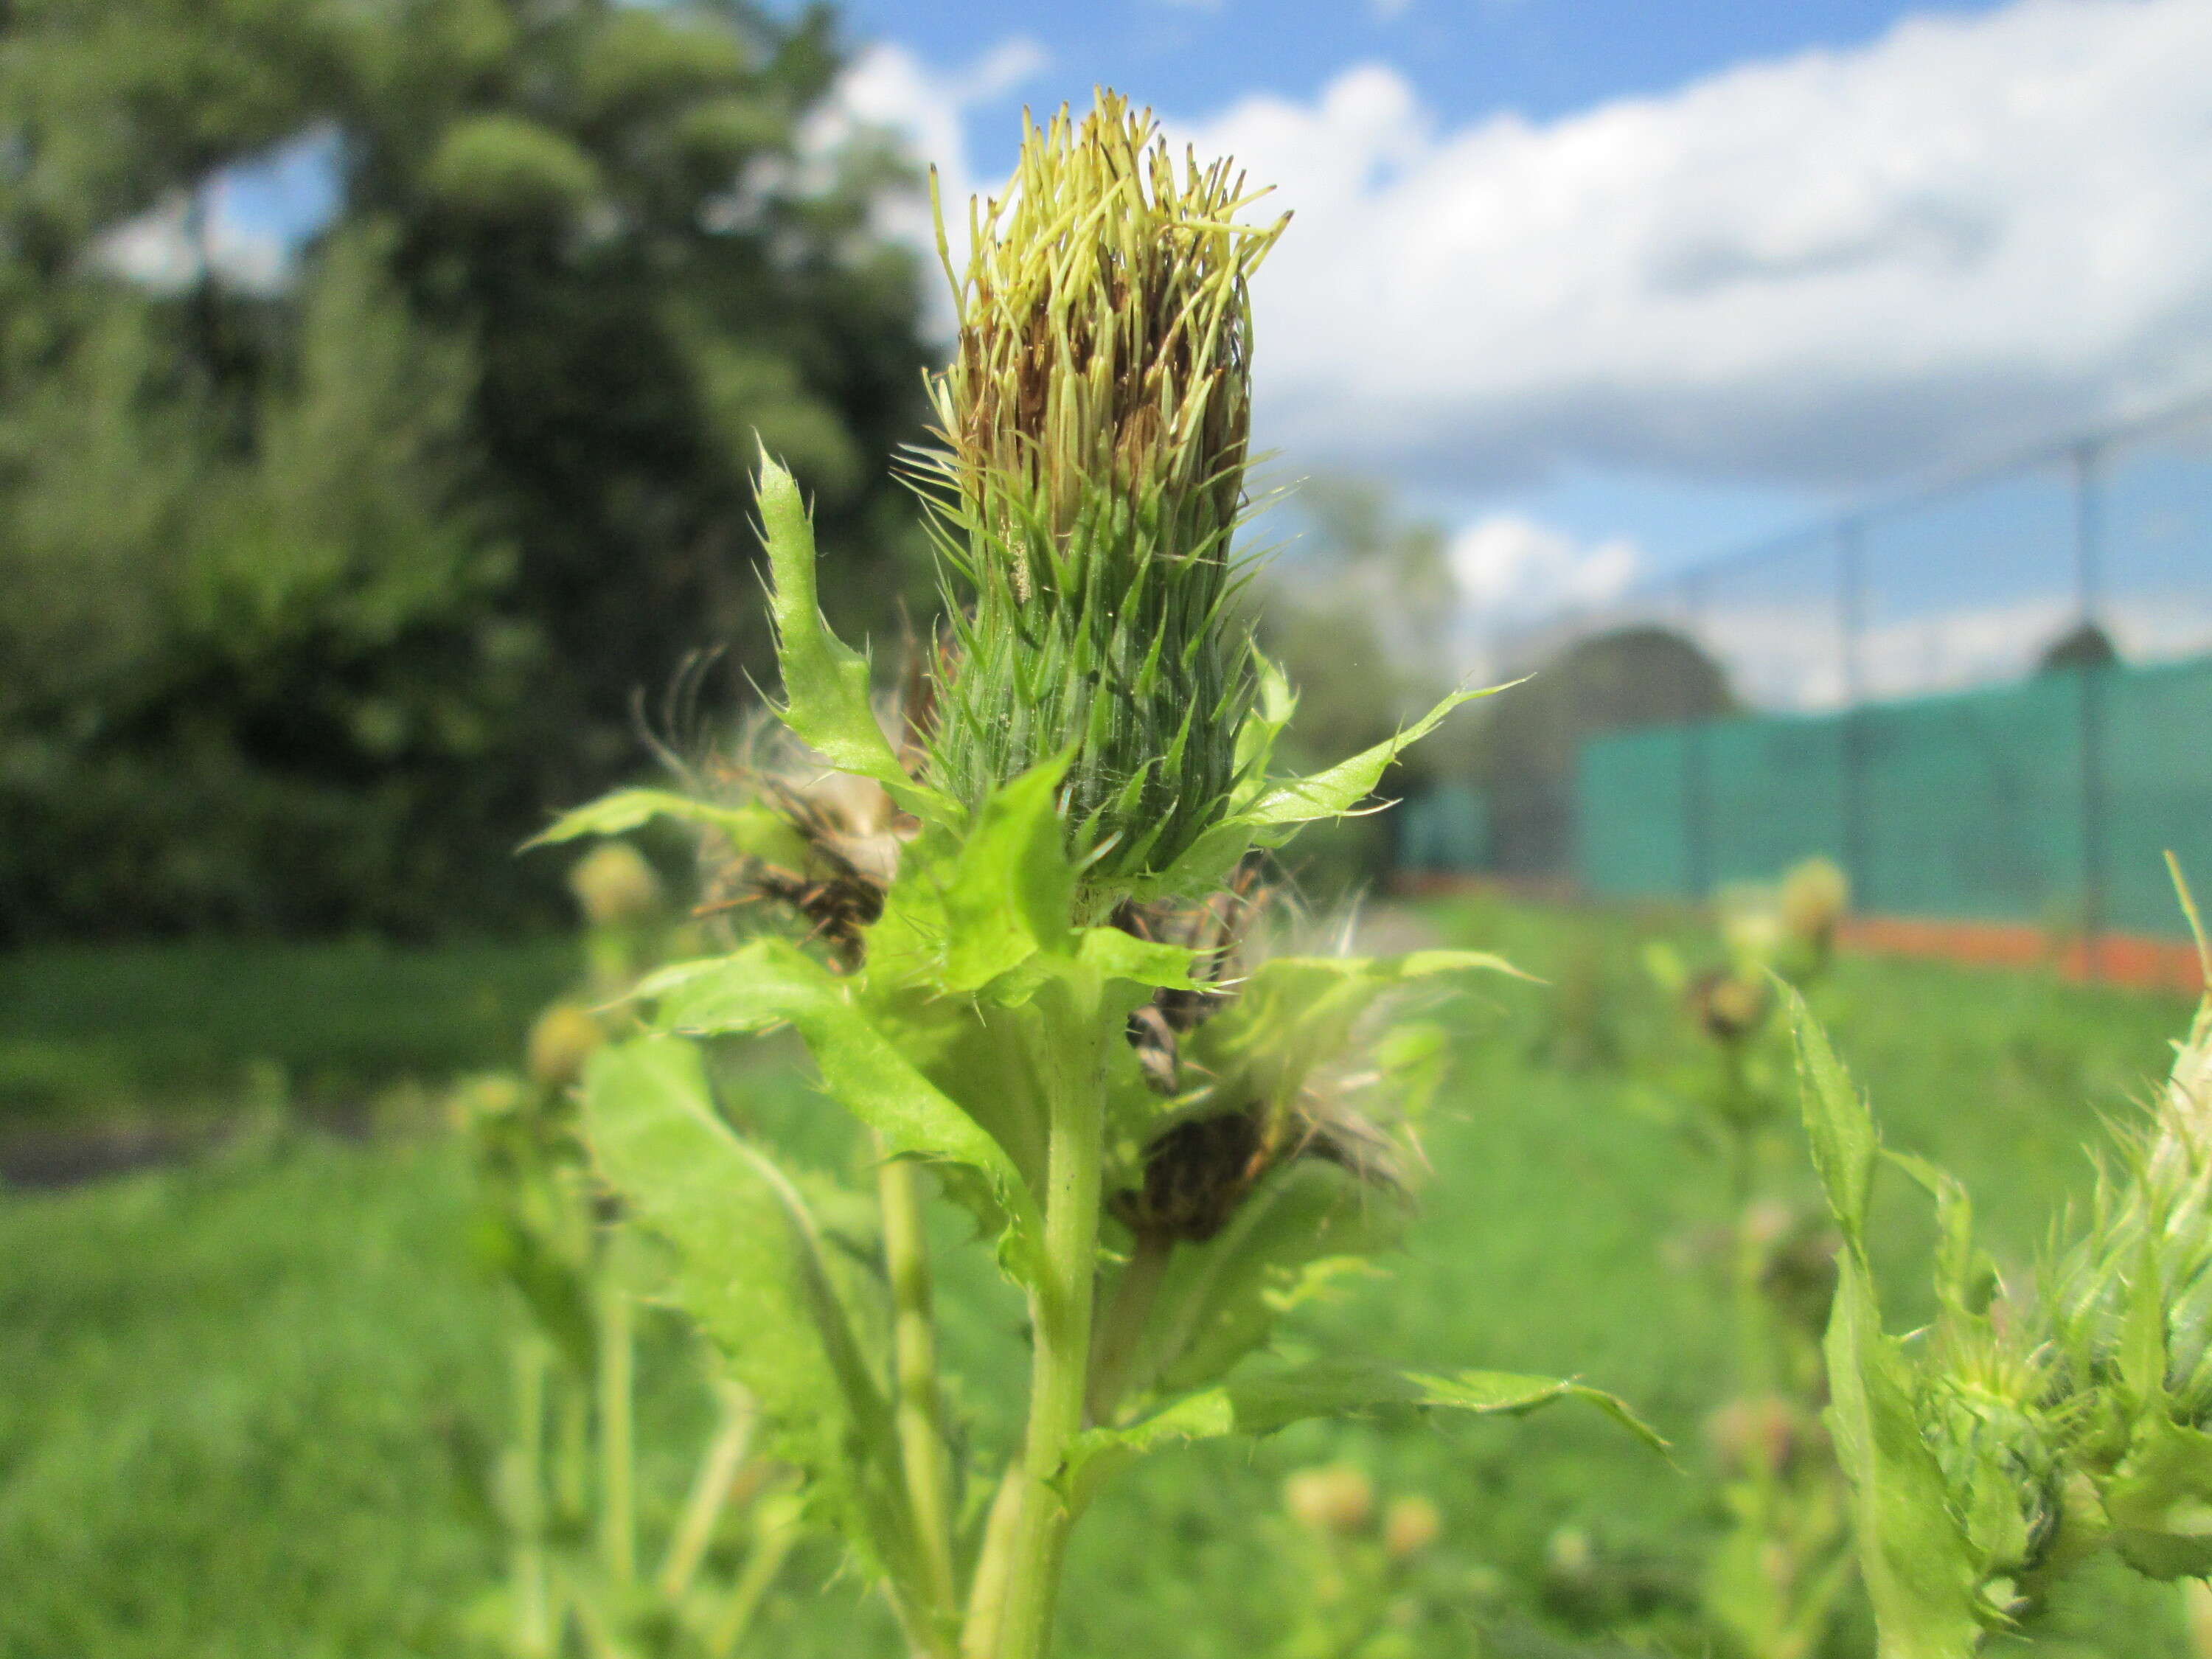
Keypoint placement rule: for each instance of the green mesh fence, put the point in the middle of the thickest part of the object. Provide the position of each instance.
(1445, 828)
(2050, 801)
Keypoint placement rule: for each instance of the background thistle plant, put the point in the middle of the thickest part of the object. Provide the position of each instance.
(2021, 1435)
(1095, 422)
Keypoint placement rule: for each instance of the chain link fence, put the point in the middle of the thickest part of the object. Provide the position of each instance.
(1988, 699)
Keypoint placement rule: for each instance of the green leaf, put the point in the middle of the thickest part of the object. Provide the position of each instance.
(1114, 955)
(1220, 1299)
(2160, 1500)
(1271, 1399)
(1012, 889)
(1270, 811)
(1339, 790)
(1273, 702)
(751, 1270)
(825, 681)
(1966, 1275)
(2142, 1335)
(753, 830)
(1844, 1141)
(772, 983)
(1919, 1565)
(1921, 1569)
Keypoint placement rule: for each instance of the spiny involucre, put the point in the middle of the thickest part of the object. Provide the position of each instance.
(1095, 423)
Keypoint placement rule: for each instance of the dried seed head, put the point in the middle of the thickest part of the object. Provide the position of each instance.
(1729, 1005)
(1095, 422)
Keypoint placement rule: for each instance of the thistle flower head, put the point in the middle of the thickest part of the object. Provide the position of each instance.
(1095, 423)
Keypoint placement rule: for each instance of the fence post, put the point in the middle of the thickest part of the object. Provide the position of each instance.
(2088, 595)
(1697, 784)
(1850, 626)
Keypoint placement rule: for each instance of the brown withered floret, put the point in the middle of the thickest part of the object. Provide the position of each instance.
(1216, 930)
(1195, 1175)
(834, 894)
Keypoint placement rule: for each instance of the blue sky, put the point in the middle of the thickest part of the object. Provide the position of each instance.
(1607, 286)
(1466, 58)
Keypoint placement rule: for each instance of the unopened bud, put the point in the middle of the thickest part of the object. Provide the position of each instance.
(1096, 420)
(561, 1041)
(1335, 1500)
(1815, 896)
(1410, 1526)
(614, 886)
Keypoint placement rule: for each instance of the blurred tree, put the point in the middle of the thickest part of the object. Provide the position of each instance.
(2085, 645)
(1360, 608)
(1524, 744)
(327, 582)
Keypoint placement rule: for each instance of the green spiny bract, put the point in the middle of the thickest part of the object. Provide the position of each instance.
(1095, 422)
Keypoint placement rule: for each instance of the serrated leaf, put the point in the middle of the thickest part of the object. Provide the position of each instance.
(2160, 1500)
(1920, 1567)
(1844, 1142)
(1152, 963)
(750, 1268)
(1270, 1399)
(1270, 811)
(1966, 1276)
(1341, 787)
(1220, 1299)
(1012, 889)
(1273, 703)
(826, 681)
(753, 830)
(1917, 1563)
(772, 983)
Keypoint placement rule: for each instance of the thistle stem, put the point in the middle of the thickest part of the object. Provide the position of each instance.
(987, 1591)
(710, 1491)
(778, 1530)
(617, 1520)
(1061, 1305)
(534, 1632)
(913, 1346)
(1123, 1328)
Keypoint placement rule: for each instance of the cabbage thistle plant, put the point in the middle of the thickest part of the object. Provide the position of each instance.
(1037, 990)
(1994, 1452)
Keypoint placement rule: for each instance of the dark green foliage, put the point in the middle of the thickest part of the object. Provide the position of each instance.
(92, 1033)
(322, 591)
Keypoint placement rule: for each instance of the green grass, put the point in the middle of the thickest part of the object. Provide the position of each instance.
(231, 1390)
(97, 1031)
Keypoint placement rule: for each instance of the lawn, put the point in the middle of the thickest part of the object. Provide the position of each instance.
(238, 1392)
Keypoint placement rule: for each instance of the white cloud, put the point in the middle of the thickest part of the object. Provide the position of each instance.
(1818, 271)
(887, 88)
(166, 249)
(1511, 567)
